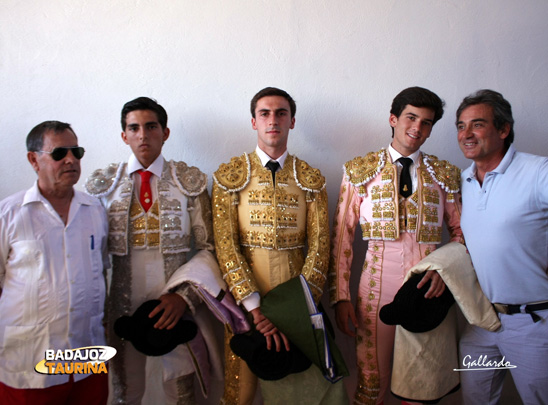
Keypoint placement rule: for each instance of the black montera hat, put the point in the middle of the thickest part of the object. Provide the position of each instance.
(139, 330)
(268, 364)
(414, 312)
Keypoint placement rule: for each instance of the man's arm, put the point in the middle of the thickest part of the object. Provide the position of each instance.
(233, 265)
(317, 233)
(451, 214)
(202, 222)
(344, 227)
(175, 303)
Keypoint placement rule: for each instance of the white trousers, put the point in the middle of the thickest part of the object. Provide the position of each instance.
(523, 343)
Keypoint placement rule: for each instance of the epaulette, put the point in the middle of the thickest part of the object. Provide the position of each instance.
(362, 169)
(102, 182)
(190, 180)
(308, 178)
(443, 173)
(233, 176)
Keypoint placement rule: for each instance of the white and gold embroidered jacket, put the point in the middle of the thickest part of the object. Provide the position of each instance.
(181, 214)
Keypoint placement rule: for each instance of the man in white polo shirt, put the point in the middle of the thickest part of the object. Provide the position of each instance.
(505, 225)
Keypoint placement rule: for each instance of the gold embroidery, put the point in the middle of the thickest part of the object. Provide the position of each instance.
(360, 170)
(307, 177)
(144, 227)
(233, 175)
(368, 388)
(444, 173)
(267, 217)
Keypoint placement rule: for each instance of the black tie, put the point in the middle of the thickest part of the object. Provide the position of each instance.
(273, 166)
(406, 186)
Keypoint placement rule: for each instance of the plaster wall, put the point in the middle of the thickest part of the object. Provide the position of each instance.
(342, 61)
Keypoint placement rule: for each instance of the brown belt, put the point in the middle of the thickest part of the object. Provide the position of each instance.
(516, 309)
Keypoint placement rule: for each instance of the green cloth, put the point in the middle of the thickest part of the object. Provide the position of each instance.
(291, 308)
(306, 388)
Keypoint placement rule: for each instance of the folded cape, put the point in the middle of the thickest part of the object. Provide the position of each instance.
(291, 308)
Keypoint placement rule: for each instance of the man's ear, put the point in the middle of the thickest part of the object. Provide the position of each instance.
(31, 156)
(393, 120)
(504, 131)
(124, 138)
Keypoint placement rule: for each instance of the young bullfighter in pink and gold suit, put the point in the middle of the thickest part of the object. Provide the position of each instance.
(400, 212)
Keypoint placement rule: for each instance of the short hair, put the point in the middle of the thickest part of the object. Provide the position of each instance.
(273, 91)
(502, 110)
(417, 97)
(35, 138)
(144, 103)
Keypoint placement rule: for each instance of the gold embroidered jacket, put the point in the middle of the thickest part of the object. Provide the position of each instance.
(374, 180)
(261, 229)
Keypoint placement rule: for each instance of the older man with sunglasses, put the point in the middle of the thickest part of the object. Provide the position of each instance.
(52, 289)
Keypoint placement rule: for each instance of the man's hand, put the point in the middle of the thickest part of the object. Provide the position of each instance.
(344, 312)
(174, 307)
(267, 328)
(436, 288)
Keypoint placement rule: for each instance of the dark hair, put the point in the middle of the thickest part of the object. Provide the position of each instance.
(144, 103)
(502, 110)
(417, 97)
(35, 138)
(273, 91)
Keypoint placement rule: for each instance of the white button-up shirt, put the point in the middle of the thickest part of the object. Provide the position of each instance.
(51, 276)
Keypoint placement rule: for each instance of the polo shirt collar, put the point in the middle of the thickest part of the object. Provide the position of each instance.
(501, 168)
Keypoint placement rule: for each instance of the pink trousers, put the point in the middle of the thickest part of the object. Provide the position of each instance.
(386, 264)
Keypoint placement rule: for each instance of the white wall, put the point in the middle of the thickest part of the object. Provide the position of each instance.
(343, 61)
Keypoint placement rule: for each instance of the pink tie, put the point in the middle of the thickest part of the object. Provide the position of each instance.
(145, 196)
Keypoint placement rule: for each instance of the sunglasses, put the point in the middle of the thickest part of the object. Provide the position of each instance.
(59, 153)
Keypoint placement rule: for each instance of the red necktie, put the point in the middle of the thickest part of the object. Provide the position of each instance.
(145, 196)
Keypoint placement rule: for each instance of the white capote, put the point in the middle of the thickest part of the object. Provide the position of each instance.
(424, 362)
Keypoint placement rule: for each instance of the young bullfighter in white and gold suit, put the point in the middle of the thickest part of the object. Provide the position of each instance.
(156, 209)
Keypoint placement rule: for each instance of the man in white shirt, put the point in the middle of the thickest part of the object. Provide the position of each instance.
(52, 289)
(156, 209)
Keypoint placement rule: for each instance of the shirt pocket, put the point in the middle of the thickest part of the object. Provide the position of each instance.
(26, 261)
